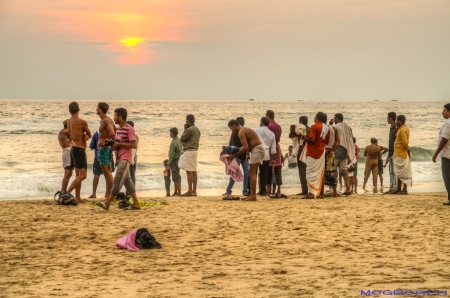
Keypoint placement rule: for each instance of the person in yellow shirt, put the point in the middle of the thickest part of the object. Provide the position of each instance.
(402, 157)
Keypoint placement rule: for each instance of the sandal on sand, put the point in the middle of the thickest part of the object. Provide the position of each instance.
(102, 205)
(92, 197)
(132, 208)
(187, 195)
(248, 200)
(230, 198)
(307, 198)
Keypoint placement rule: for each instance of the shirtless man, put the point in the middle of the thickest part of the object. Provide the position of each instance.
(79, 132)
(373, 154)
(66, 144)
(105, 132)
(250, 143)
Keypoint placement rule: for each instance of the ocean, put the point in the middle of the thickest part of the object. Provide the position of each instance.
(31, 166)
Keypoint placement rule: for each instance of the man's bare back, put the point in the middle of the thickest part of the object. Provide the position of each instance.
(79, 131)
(106, 130)
(249, 137)
(64, 139)
(372, 152)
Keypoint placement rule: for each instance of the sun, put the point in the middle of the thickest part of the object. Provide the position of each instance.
(132, 42)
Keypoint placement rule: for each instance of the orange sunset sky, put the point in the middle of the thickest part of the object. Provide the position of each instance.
(268, 50)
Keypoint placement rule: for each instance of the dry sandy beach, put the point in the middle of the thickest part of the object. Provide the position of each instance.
(214, 248)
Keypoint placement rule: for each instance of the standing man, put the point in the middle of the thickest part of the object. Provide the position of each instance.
(134, 157)
(124, 142)
(250, 143)
(267, 138)
(302, 131)
(402, 158)
(373, 155)
(66, 145)
(188, 159)
(106, 131)
(172, 163)
(443, 150)
(275, 168)
(241, 161)
(313, 155)
(391, 118)
(80, 133)
(345, 153)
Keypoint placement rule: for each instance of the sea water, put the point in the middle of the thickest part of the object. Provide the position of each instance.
(30, 158)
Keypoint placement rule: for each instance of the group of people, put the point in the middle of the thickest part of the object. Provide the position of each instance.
(118, 135)
(323, 153)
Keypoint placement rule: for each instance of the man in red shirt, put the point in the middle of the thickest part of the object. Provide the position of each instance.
(313, 155)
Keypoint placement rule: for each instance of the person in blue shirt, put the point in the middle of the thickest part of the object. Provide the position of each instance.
(97, 169)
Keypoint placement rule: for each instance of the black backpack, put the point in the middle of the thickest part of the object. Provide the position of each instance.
(65, 198)
(145, 240)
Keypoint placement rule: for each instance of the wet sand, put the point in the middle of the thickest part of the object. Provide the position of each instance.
(213, 248)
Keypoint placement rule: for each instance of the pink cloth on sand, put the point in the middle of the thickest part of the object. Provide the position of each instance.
(232, 168)
(128, 242)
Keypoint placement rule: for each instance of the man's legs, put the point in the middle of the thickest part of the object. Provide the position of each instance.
(66, 178)
(264, 175)
(392, 177)
(252, 174)
(133, 174)
(279, 179)
(108, 179)
(446, 174)
(245, 169)
(76, 183)
(302, 173)
(94, 186)
(192, 182)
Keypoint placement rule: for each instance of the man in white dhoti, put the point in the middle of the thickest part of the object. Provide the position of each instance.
(188, 159)
(402, 157)
(313, 155)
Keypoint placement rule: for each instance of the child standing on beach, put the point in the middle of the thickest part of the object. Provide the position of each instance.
(166, 177)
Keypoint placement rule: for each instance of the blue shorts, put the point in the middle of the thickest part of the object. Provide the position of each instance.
(104, 156)
(96, 168)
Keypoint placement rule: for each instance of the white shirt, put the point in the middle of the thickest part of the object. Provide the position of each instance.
(445, 133)
(267, 139)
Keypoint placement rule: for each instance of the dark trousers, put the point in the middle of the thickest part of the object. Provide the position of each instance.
(446, 174)
(302, 175)
(167, 181)
(263, 176)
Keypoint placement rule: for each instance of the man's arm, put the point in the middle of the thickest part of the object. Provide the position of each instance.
(337, 140)
(242, 149)
(171, 154)
(110, 129)
(379, 154)
(383, 150)
(311, 138)
(131, 145)
(365, 152)
(186, 135)
(87, 132)
(404, 139)
(441, 146)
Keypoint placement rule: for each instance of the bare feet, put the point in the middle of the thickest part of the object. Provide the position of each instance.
(249, 199)
(92, 196)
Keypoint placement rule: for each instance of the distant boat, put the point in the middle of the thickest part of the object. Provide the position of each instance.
(251, 99)
(300, 100)
(376, 100)
(394, 100)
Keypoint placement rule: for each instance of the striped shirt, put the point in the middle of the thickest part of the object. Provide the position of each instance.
(125, 135)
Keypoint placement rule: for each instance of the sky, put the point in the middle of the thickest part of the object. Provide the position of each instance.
(225, 49)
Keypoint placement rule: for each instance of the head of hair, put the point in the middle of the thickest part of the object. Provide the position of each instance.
(401, 118)
(122, 113)
(270, 114)
(73, 107)
(233, 123)
(131, 123)
(392, 115)
(174, 131)
(326, 118)
(103, 106)
(190, 118)
(240, 120)
(321, 116)
(354, 140)
(165, 162)
(339, 116)
(373, 141)
(264, 121)
(447, 107)
(304, 120)
(291, 147)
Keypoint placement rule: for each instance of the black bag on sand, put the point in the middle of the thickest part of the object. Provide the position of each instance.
(145, 240)
(65, 198)
(124, 200)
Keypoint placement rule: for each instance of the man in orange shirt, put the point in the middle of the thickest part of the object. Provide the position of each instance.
(313, 155)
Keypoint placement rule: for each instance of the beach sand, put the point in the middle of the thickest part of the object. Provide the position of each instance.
(213, 248)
